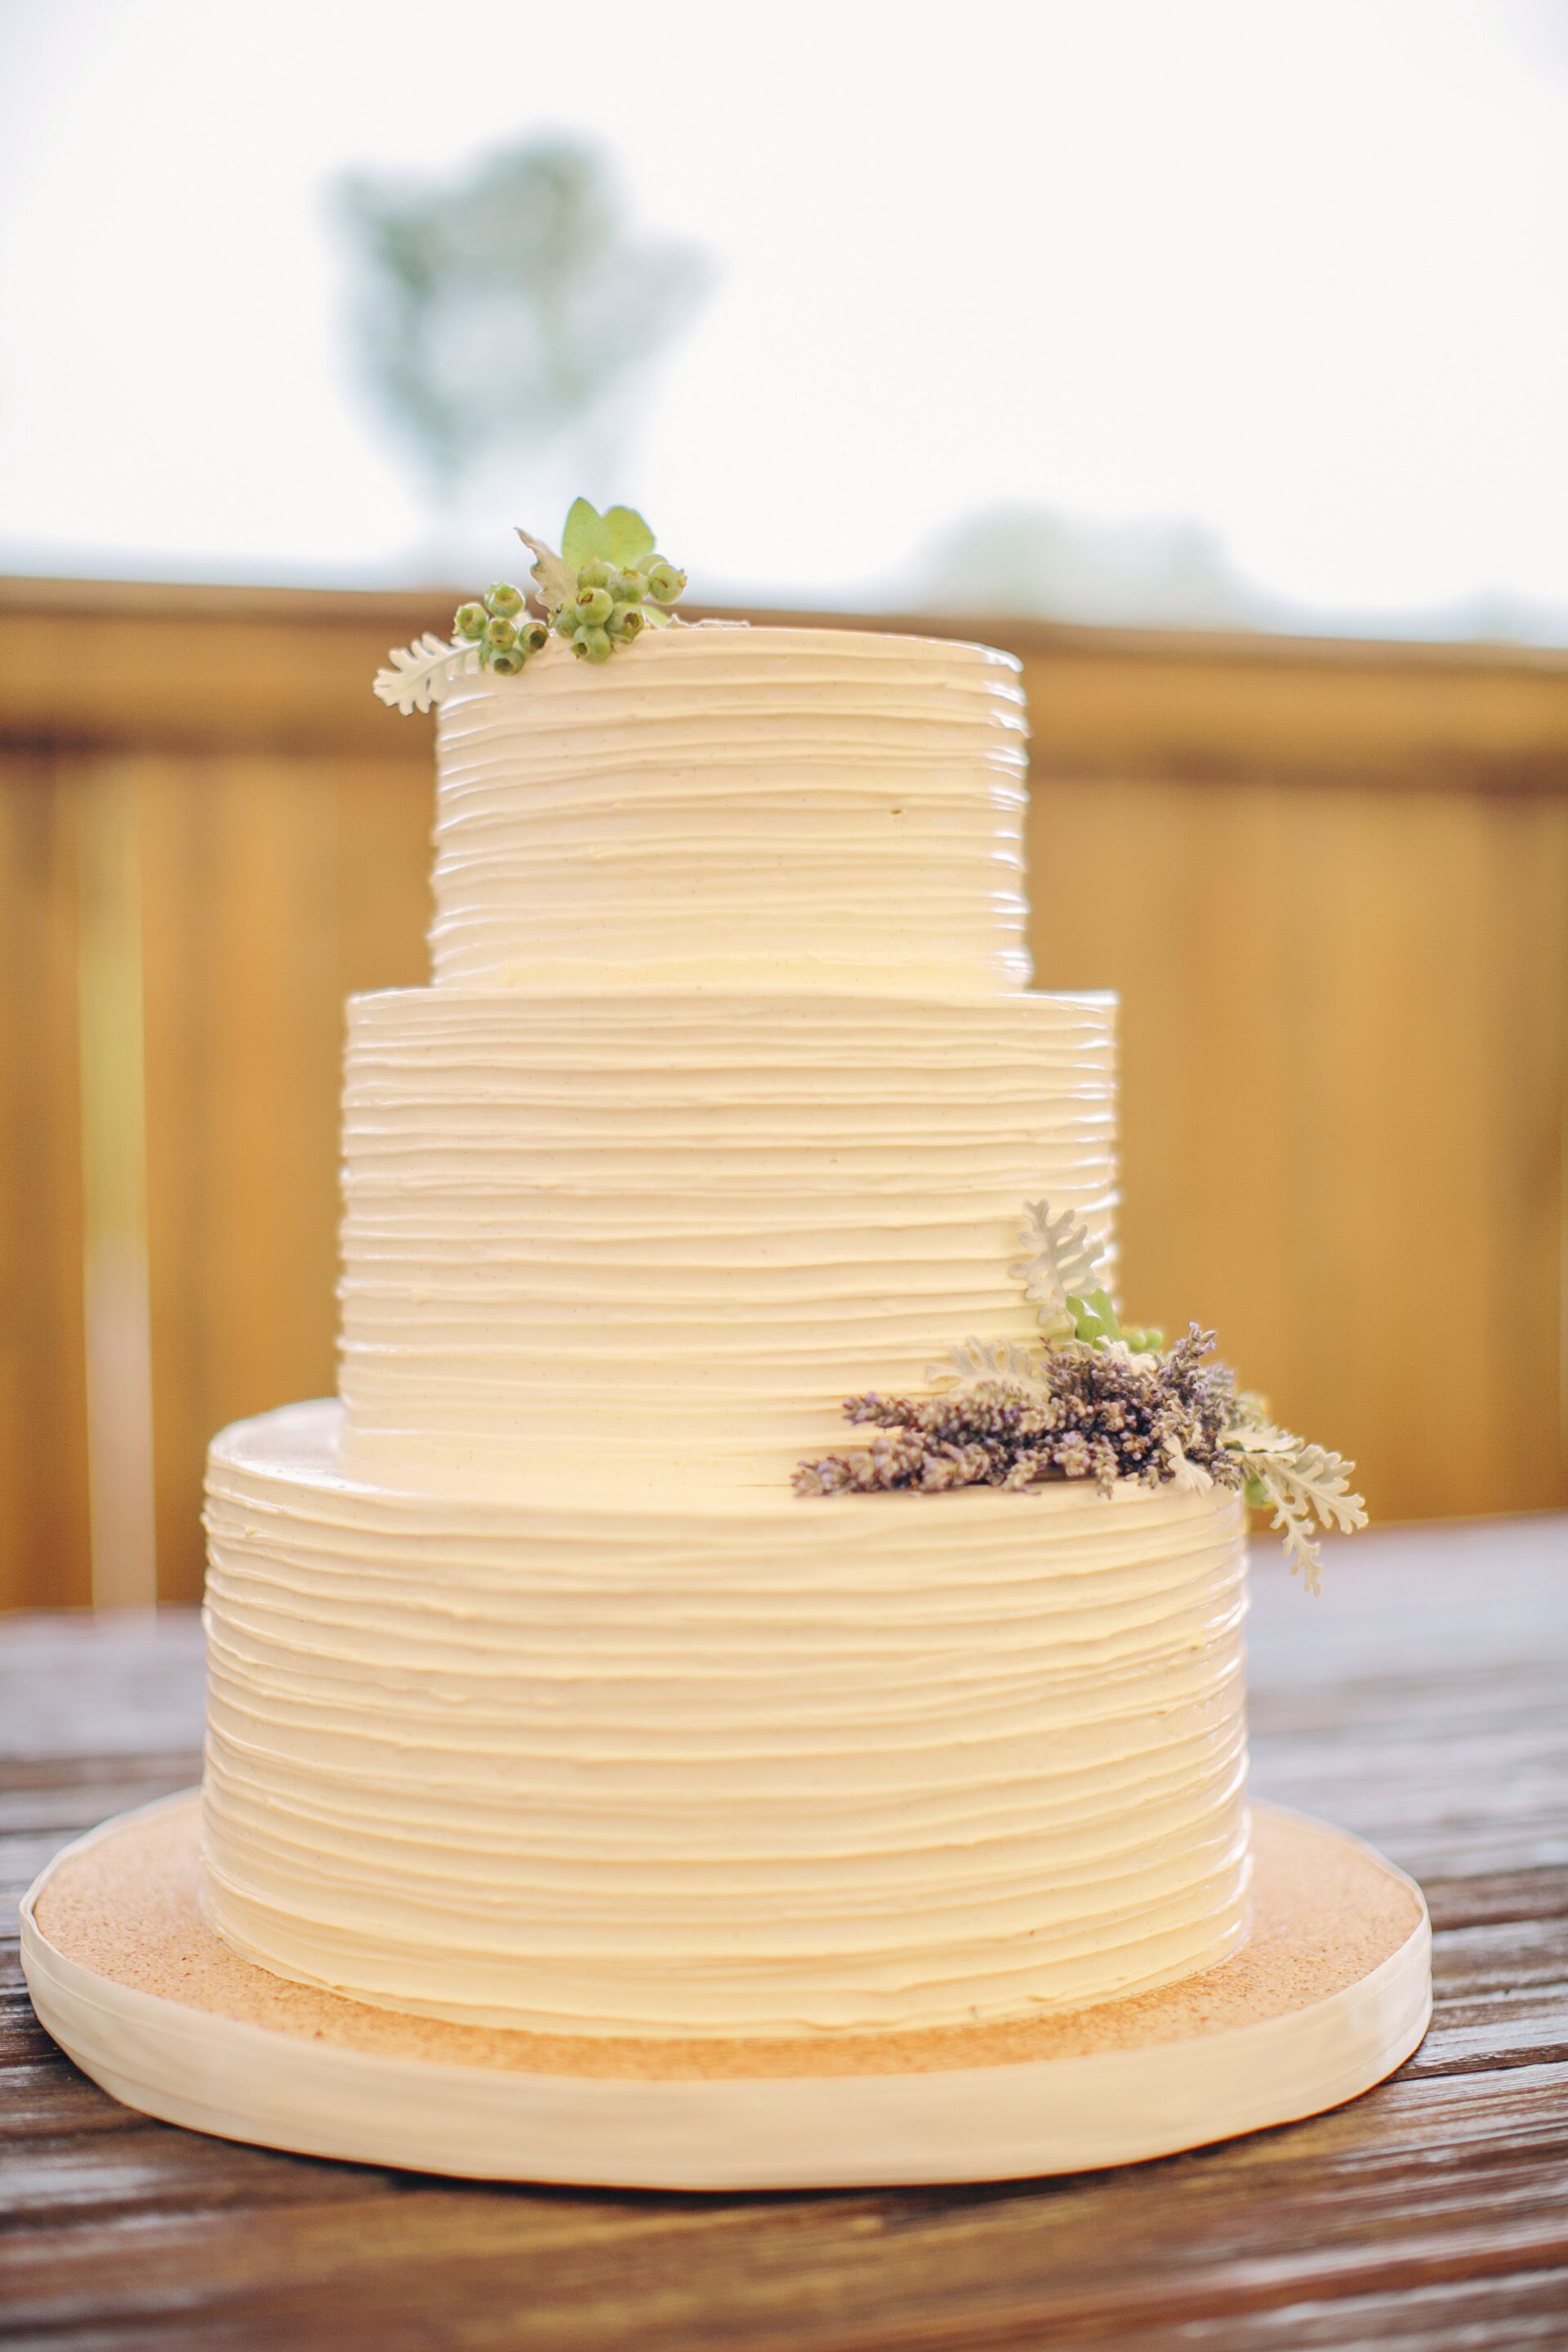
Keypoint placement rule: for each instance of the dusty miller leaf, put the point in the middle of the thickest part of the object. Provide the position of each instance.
(1061, 1262)
(983, 1360)
(1190, 1477)
(420, 671)
(555, 583)
(1299, 1483)
(1260, 1440)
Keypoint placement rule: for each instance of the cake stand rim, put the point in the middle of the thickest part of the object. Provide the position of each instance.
(1007, 2119)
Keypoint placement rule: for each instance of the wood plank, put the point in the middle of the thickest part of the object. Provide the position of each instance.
(288, 669)
(1292, 710)
(1454, 2315)
(1345, 1041)
(1495, 1897)
(64, 1809)
(273, 887)
(86, 1698)
(1170, 2244)
(45, 1544)
(103, 799)
(1523, 2312)
(244, 1025)
(385, 817)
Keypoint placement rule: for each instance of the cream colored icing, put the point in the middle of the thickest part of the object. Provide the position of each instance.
(692, 1223)
(536, 1696)
(737, 808)
(758, 1768)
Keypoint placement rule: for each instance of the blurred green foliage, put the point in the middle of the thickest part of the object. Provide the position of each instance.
(501, 309)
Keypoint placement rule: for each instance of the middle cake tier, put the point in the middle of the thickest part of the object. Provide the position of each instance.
(666, 1235)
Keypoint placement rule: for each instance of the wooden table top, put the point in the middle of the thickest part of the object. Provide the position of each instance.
(1423, 1701)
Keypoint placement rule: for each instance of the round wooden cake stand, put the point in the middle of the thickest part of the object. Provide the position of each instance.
(1331, 1992)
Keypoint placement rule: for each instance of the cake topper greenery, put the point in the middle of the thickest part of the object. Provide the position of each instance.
(605, 586)
(1093, 1399)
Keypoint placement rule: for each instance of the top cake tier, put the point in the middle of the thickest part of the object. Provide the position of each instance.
(769, 807)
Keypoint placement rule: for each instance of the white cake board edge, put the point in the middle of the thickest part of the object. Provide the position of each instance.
(239, 2081)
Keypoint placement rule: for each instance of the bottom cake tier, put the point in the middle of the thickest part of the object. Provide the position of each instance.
(718, 1764)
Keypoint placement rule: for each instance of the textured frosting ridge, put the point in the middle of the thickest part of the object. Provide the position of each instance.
(755, 1770)
(775, 808)
(676, 1230)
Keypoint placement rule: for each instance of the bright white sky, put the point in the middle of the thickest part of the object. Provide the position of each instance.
(1298, 272)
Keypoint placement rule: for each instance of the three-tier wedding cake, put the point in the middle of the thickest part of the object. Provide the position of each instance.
(539, 1697)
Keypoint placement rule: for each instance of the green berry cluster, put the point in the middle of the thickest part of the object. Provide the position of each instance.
(609, 607)
(1095, 1318)
(501, 627)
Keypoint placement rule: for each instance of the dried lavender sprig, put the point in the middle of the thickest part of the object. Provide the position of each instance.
(1095, 1413)
(994, 1408)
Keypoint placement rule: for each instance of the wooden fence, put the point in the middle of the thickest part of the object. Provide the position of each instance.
(1329, 880)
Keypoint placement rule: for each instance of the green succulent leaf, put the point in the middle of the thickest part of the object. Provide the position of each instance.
(1093, 1316)
(1095, 1320)
(619, 536)
(583, 535)
(631, 541)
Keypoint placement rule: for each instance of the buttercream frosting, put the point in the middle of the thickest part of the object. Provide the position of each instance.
(537, 1698)
(722, 1767)
(697, 1220)
(745, 808)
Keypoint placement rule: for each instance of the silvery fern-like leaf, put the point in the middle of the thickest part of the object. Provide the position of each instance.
(983, 1360)
(1190, 1477)
(1300, 1483)
(1324, 1477)
(553, 575)
(1294, 1526)
(1061, 1259)
(1260, 1440)
(421, 671)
